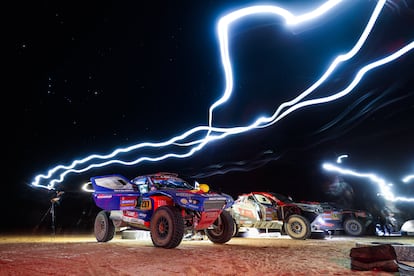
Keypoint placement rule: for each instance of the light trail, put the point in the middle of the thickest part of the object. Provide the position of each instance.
(384, 186)
(408, 178)
(339, 159)
(209, 133)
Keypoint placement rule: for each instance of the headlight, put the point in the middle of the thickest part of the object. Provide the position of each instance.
(311, 209)
(193, 201)
(187, 201)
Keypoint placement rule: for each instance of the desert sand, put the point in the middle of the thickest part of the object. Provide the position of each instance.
(258, 255)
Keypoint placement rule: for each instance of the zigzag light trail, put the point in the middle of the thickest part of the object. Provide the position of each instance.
(223, 27)
(382, 184)
(215, 133)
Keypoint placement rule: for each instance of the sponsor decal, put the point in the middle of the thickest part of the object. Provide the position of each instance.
(214, 197)
(332, 216)
(103, 196)
(184, 194)
(142, 215)
(160, 202)
(184, 201)
(127, 202)
(246, 213)
(131, 214)
(134, 220)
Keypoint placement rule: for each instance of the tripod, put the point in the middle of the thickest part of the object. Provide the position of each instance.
(51, 210)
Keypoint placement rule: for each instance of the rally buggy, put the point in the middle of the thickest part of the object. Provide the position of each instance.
(275, 212)
(338, 219)
(162, 203)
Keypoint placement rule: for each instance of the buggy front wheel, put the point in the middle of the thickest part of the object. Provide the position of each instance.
(222, 230)
(167, 227)
(298, 227)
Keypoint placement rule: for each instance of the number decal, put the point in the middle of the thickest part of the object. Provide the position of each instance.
(146, 204)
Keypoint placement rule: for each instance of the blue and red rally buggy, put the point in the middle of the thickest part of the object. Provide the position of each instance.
(166, 205)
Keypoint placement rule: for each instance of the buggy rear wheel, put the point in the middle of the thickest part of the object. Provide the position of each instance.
(354, 227)
(104, 228)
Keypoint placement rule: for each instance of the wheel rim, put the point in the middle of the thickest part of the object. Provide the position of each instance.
(100, 227)
(354, 227)
(162, 227)
(296, 227)
(218, 227)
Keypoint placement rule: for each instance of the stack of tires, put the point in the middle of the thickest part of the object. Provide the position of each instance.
(378, 258)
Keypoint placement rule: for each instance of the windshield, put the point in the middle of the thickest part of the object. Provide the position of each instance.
(283, 198)
(172, 183)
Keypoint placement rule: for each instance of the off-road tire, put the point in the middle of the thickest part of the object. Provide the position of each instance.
(104, 228)
(354, 227)
(235, 229)
(298, 227)
(167, 227)
(222, 230)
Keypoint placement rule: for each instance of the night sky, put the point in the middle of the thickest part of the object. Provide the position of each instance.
(93, 76)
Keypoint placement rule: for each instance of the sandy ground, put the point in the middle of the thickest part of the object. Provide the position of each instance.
(264, 255)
